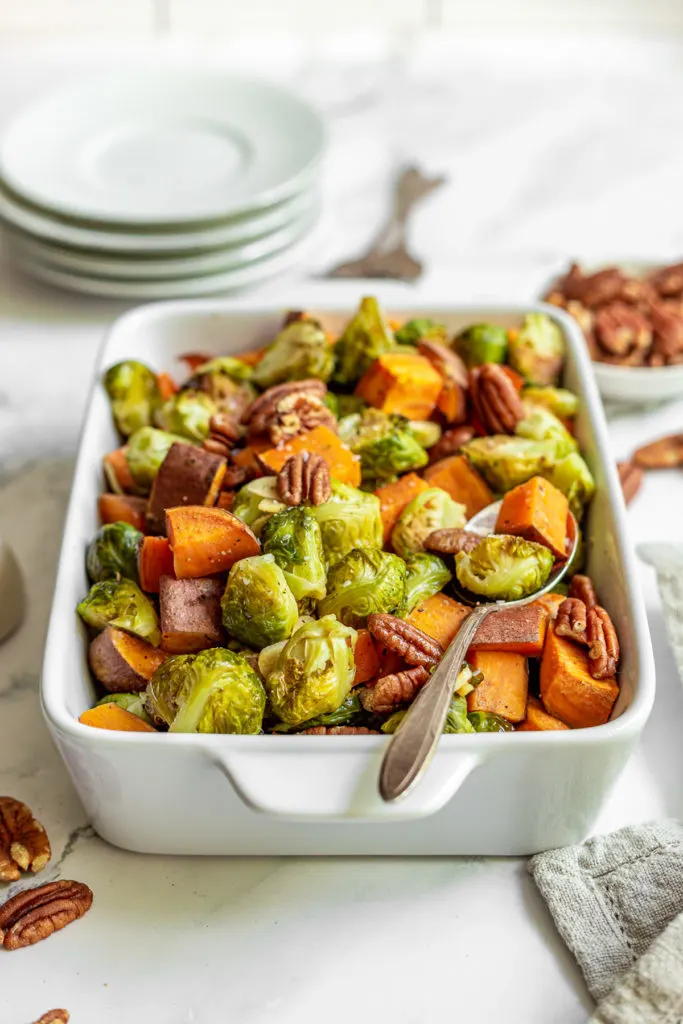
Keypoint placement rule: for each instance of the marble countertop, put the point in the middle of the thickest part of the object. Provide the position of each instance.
(551, 150)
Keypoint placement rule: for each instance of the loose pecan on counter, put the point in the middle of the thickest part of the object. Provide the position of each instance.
(666, 453)
(304, 477)
(54, 1017)
(451, 540)
(581, 588)
(414, 646)
(571, 620)
(34, 914)
(603, 644)
(24, 845)
(495, 399)
(631, 477)
(392, 691)
(450, 443)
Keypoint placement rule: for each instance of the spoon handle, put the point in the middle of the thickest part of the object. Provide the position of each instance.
(412, 746)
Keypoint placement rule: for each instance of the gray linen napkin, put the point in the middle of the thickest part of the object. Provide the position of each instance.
(611, 898)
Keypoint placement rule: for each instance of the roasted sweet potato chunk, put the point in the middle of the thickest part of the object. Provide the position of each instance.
(537, 511)
(207, 540)
(505, 686)
(190, 614)
(439, 617)
(110, 716)
(538, 720)
(342, 463)
(188, 476)
(458, 478)
(155, 559)
(121, 662)
(568, 690)
(516, 630)
(367, 659)
(401, 382)
(393, 498)
(122, 508)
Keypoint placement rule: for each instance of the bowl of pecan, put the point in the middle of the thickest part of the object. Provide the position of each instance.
(632, 319)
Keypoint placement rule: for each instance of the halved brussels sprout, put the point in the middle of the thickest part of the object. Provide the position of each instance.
(349, 712)
(113, 553)
(506, 461)
(313, 672)
(542, 425)
(256, 502)
(427, 575)
(228, 366)
(487, 721)
(294, 539)
(227, 383)
(133, 702)
(424, 432)
(349, 404)
(215, 691)
(482, 343)
(572, 476)
(559, 401)
(350, 519)
(366, 337)
(456, 718)
(431, 510)
(299, 351)
(120, 603)
(537, 350)
(386, 445)
(134, 394)
(367, 580)
(187, 413)
(504, 568)
(421, 327)
(258, 606)
(147, 448)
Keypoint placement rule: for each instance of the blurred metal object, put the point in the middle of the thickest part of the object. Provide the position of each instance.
(388, 257)
(12, 592)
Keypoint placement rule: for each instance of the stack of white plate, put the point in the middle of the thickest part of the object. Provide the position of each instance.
(152, 185)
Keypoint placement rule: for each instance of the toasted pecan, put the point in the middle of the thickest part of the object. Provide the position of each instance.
(391, 691)
(450, 442)
(34, 914)
(24, 845)
(414, 646)
(54, 1017)
(571, 620)
(304, 477)
(631, 477)
(665, 453)
(581, 587)
(451, 540)
(262, 408)
(603, 644)
(495, 399)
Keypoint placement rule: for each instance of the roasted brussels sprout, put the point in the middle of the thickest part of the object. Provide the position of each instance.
(350, 519)
(258, 606)
(542, 425)
(559, 401)
(487, 721)
(421, 327)
(215, 691)
(572, 476)
(347, 405)
(537, 350)
(424, 432)
(314, 671)
(227, 383)
(391, 724)
(299, 351)
(332, 402)
(187, 414)
(504, 568)
(386, 445)
(427, 575)
(294, 539)
(506, 461)
(431, 510)
(256, 502)
(133, 702)
(366, 337)
(227, 366)
(482, 343)
(113, 553)
(134, 394)
(120, 603)
(367, 580)
(147, 448)
(349, 712)
(456, 716)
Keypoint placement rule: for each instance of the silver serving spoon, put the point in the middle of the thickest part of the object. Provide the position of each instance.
(412, 747)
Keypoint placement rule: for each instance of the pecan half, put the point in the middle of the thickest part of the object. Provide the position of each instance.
(54, 1017)
(224, 432)
(631, 477)
(258, 415)
(667, 324)
(451, 540)
(668, 281)
(339, 730)
(666, 453)
(603, 644)
(495, 399)
(581, 588)
(414, 646)
(621, 330)
(452, 402)
(304, 477)
(24, 845)
(591, 290)
(35, 914)
(297, 413)
(571, 620)
(450, 442)
(391, 691)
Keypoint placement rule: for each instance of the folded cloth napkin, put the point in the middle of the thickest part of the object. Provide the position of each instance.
(616, 902)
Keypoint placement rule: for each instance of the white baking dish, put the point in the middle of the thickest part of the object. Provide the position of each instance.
(484, 794)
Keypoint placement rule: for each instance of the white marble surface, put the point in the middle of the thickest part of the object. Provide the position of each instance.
(550, 152)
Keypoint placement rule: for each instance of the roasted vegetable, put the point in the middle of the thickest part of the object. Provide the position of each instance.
(456, 718)
(123, 662)
(367, 658)
(226, 366)
(215, 691)
(431, 510)
(457, 477)
(367, 580)
(294, 539)
(537, 511)
(421, 327)
(427, 575)
(118, 719)
(538, 720)
(133, 393)
(312, 673)
(542, 425)
(147, 448)
(134, 703)
(188, 476)
(342, 463)
(349, 712)
(300, 350)
(207, 540)
(487, 721)
(113, 553)
(482, 343)
(503, 690)
(394, 497)
(226, 382)
(256, 502)
(187, 414)
(385, 444)
(401, 382)
(122, 508)
(190, 614)
(425, 432)
(515, 630)
(506, 461)
(120, 603)
(537, 350)
(439, 617)
(564, 404)
(568, 690)
(366, 337)
(347, 405)
(504, 568)
(258, 607)
(350, 519)
(155, 559)
(572, 476)
(117, 472)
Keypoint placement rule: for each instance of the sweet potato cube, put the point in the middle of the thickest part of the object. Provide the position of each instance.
(367, 659)
(537, 718)
(155, 559)
(568, 690)
(401, 382)
(122, 508)
(187, 476)
(167, 386)
(111, 716)
(246, 458)
(207, 540)
(461, 480)
(117, 473)
(551, 602)
(439, 617)
(537, 511)
(505, 685)
(121, 662)
(517, 630)
(343, 464)
(393, 498)
(190, 614)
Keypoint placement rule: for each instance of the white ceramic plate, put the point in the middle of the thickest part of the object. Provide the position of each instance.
(134, 241)
(165, 146)
(141, 268)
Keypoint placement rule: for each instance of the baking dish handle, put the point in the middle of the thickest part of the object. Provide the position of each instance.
(338, 784)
